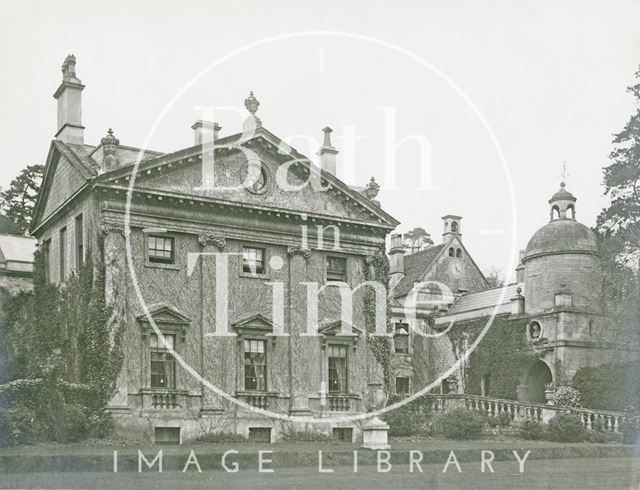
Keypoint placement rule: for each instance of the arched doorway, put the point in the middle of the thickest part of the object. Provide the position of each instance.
(533, 382)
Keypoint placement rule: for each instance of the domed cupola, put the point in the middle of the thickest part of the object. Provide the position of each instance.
(562, 255)
(563, 204)
(563, 234)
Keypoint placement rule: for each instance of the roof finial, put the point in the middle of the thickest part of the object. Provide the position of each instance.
(251, 103)
(564, 174)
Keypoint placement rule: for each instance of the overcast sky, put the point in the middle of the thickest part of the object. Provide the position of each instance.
(549, 79)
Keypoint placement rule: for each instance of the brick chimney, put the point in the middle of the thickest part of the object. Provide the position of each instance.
(69, 97)
(205, 131)
(328, 153)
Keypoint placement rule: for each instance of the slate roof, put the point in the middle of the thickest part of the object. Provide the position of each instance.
(14, 248)
(485, 299)
(482, 303)
(415, 267)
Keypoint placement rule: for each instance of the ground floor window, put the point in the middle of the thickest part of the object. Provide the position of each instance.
(344, 434)
(337, 368)
(255, 365)
(167, 435)
(163, 364)
(260, 434)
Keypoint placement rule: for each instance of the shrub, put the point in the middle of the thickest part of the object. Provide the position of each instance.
(308, 436)
(412, 419)
(566, 427)
(503, 419)
(533, 430)
(460, 424)
(566, 397)
(220, 437)
(604, 436)
(630, 433)
(610, 386)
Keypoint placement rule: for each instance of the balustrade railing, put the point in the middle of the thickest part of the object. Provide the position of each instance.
(339, 403)
(521, 411)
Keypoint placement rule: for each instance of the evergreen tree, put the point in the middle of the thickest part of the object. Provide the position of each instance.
(19, 200)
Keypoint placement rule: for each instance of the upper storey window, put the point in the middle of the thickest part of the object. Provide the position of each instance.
(161, 249)
(336, 269)
(253, 260)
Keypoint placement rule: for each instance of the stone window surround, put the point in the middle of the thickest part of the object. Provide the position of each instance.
(326, 266)
(267, 354)
(160, 265)
(266, 256)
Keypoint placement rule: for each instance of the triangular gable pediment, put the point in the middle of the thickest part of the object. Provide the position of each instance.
(165, 314)
(180, 173)
(256, 323)
(65, 174)
(335, 328)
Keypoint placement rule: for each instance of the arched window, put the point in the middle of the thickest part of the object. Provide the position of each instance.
(571, 212)
(459, 252)
(452, 252)
(454, 227)
(555, 212)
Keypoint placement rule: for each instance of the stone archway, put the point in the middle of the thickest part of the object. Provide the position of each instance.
(532, 382)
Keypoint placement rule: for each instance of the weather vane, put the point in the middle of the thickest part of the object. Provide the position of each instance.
(564, 173)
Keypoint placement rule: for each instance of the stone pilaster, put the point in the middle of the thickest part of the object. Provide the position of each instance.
(299, 346)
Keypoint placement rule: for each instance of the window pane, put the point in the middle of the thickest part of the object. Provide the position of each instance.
(162, 370)
(253, 260)
(160, 249)
(336, 269)
(337, 368)
(255, 365)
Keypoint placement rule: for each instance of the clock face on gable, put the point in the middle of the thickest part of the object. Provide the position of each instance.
(455, 267)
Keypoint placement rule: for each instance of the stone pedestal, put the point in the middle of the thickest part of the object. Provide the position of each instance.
(374, 434)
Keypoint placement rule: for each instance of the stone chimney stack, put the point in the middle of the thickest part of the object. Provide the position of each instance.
(520, 269)
(328, 153)
(451, 227)
(205, 131)
(69, 97)
(396, 259)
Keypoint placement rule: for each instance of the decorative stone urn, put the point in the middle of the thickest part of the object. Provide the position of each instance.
(374, 430)
(375, 397)
(549, 393)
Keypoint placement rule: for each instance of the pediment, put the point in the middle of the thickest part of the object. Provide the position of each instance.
(181, 173)
(335, 329)
(64, 175)
(165, 314)
(255, 323)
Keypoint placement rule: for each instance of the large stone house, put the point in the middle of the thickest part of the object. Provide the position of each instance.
(160, 240)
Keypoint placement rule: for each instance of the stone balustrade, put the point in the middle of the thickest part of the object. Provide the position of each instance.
(163, 399)
(521, 411)
(262, 400)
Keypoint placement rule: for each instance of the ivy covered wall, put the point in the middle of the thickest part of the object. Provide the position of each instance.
(502, 354)
(62, 332)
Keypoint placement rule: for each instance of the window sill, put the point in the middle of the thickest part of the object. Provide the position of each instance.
(253, 276)
(161, 265)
